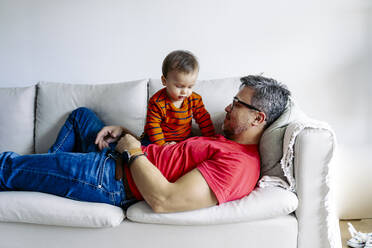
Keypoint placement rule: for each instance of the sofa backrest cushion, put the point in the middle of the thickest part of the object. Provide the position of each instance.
(271, 143)
(17, 119)
(216, 95)
(116, 104)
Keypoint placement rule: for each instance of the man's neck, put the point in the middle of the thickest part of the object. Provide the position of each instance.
(247, 138)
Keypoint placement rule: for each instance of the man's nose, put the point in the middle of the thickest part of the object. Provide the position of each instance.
(228, 108)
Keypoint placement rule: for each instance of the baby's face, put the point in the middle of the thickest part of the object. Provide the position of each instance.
(179, 85)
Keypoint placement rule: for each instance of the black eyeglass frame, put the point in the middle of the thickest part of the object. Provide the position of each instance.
(235, 99)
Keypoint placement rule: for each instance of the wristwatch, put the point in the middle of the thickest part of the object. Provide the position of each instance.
(132, 154)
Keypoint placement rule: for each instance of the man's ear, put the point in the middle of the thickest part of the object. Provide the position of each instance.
(163, 81)
(260, 118)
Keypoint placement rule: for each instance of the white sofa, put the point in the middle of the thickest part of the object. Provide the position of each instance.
(30, 118)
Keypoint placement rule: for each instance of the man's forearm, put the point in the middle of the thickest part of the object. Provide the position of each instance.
(189, 192)
(154, 187)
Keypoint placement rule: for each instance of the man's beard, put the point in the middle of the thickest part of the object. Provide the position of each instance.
(227, 133)
(230, 134)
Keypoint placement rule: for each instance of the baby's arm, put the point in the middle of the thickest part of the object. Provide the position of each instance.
(203, 118)
(153, 121)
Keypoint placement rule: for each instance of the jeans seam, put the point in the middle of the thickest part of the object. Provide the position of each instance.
(116, 195)
(100, 175)
(61, 177)
(64, 138)
(113, 198)
(121, 192)
(113, 194)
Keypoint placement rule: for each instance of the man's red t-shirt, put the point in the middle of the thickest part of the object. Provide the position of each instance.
(230, 169)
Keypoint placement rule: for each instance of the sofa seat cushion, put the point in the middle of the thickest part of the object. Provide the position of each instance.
(274, 232)
(41, 208)
(261, 203)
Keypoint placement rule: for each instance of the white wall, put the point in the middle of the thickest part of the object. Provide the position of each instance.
(321, 49)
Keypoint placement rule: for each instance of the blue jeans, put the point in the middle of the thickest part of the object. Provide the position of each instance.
(73, 167)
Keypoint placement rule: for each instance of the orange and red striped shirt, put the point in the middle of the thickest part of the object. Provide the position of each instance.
(165, 122)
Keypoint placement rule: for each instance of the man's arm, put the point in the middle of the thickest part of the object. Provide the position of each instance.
(189, 192)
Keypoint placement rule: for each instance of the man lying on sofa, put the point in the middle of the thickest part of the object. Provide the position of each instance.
(87, 160)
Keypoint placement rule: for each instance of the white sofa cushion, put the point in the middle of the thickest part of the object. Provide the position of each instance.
(261, 203)
(40, 208)
(17, 119)
(116, 104)
(271, 142)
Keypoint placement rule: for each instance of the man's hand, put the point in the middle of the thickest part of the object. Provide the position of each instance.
(127, 142)
(107, 135)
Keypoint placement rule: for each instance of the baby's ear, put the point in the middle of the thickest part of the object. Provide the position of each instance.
(163, 81)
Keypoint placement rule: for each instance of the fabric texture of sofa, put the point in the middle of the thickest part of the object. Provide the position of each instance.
(299, 216)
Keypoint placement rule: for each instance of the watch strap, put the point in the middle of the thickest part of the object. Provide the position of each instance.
(134, 151)
(134, 157)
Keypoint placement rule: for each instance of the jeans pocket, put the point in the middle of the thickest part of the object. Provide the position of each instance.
(101, 171)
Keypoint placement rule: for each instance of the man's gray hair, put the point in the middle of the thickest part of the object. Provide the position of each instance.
(269, 95)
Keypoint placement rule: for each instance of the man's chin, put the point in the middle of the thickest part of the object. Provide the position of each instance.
(226, 132)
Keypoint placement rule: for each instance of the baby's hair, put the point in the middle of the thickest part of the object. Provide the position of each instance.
(180, 61)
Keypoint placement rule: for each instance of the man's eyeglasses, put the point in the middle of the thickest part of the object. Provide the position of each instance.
(236, 100)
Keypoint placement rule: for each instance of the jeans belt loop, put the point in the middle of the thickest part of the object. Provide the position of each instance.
(120, 173)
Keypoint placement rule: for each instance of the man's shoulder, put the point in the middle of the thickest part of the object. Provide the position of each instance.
(218, 142)
(224, 149)
(232, 147)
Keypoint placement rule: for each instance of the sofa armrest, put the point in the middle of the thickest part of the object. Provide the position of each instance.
(316, 212)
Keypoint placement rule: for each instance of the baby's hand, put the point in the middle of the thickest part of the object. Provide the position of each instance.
(170, 143)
